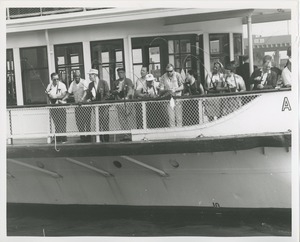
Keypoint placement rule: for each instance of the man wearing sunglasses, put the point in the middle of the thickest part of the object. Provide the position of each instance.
(171, 84)
(56, 90)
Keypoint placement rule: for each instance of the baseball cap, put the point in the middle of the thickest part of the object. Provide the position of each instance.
(149, 77)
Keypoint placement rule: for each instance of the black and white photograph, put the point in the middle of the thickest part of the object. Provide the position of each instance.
(141, 121)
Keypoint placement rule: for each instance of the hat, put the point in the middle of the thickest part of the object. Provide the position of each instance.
(93, 71)
(149, 77)
(230, 67)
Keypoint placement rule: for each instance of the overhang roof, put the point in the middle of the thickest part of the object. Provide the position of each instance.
(169, 15)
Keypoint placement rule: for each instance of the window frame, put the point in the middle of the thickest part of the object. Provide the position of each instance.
(46, 67)
(113, 64)
(69, 67)
(11, 94)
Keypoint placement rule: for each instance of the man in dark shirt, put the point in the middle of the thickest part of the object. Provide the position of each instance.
(244, 72)
(98, 90)
(123, 88)
(264, 78)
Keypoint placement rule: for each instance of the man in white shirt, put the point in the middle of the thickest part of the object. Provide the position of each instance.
(56, 90)
(287, 71)
(171, 83)
(82, 113)
(141, 83)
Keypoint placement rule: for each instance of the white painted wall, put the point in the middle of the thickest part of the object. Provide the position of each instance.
(121, 30)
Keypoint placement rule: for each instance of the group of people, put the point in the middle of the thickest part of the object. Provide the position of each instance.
(222, 79)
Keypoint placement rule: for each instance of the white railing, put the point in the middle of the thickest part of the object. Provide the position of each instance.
(121, 117)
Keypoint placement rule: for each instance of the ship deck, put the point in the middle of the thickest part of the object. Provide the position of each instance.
(36, 148)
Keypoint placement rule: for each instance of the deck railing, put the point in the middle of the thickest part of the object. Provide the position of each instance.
(120, 117)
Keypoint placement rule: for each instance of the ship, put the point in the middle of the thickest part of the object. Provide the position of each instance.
(240, 159)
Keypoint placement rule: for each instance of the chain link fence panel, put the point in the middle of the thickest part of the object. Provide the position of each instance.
(116, 118)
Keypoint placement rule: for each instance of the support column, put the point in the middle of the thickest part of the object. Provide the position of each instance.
(87, 59)
(50, 51)
(128, 58)
(206, 63)
(231, 47)
(250, 44)
(18, 76)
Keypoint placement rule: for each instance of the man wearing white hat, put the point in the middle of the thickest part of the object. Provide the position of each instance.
(98, 90)
(149, 89)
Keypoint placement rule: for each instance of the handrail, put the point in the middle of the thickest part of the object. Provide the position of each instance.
(154, 99)
(195, 116)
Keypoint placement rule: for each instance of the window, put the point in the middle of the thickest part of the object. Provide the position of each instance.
(10, 79)
(35, 74)
(137, 59)
(237, 46)
(68, 58)
(157, 51)
(147, 52)
(107, 57)
(180, 53)
(219, 48)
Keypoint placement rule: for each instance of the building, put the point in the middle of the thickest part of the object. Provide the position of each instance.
(276, 46)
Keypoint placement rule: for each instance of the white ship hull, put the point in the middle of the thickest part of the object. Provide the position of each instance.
(245, 178)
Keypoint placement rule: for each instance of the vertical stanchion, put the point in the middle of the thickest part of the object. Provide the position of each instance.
(49, 129)
(9, 140)
(201, 113)
(97, 123)
(144, 115)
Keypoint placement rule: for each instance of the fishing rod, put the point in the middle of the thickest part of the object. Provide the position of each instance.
(34, 72)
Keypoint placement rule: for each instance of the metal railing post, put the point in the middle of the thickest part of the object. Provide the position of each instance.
(97, 123)
(201, 113)
(9, 140)
(49, 126)
(144, 115)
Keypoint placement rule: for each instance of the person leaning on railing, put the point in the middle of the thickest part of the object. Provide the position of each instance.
(123, 89)
(171, 84)
(191, 106)
(98, 90)
(234, 83)
(244, 71)
(264, 78)
(214, 83)
(190, 85)
(287, 71)
(149, 90)
(56, 90)
(82, 113)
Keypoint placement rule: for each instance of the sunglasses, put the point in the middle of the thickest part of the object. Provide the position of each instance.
(55, 79)
(170, 71)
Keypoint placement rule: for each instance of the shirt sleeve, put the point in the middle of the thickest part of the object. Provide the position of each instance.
(71, 88)
(284, 76)
(161, 84)
(86, 84)
(48, 87)
(179, 79)
(63, 87)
